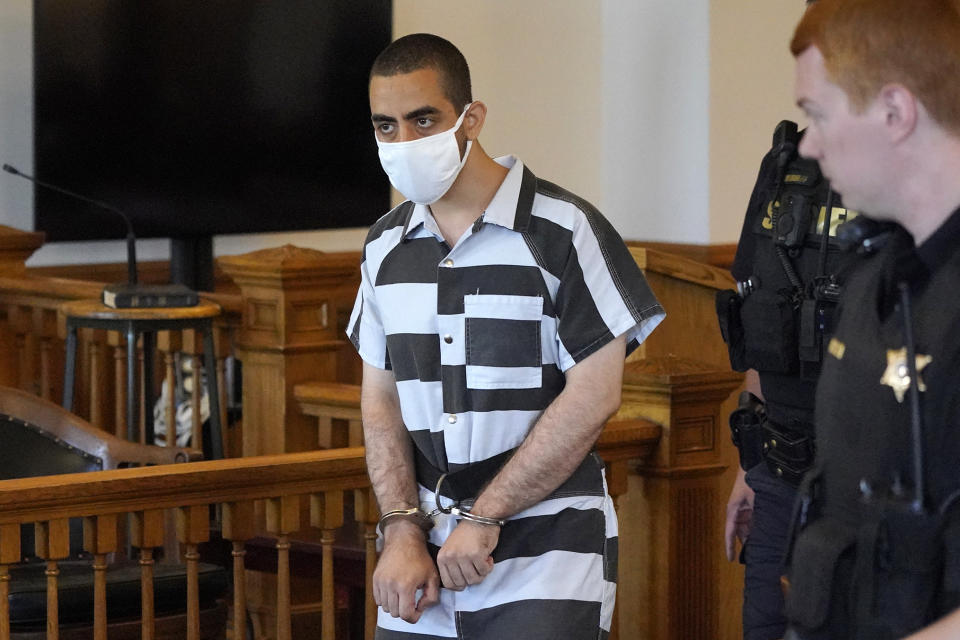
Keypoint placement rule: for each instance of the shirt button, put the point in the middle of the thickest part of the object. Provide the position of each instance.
(452, 418)
(448, 338)
(448, 262)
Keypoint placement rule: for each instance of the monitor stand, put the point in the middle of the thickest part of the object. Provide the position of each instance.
(191, 262)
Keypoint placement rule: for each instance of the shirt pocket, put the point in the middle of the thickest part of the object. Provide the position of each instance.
(502, 341)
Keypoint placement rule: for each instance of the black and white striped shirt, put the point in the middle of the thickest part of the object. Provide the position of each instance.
(479, 336)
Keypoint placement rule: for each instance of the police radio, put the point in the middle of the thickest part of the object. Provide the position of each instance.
(864, 235)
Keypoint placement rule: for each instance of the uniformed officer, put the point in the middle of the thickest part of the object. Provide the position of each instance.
(790, 270)
(877, 547)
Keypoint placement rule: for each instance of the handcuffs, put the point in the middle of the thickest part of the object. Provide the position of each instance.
(425, 520)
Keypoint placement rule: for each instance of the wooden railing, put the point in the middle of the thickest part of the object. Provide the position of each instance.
(337, 408)
(255, 494)
(32, 345)
(286, 327)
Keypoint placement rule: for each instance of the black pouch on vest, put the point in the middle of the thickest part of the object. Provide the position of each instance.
(728, 313)
(898, 573)
(814, 560)
(770, 332)
(789, 454)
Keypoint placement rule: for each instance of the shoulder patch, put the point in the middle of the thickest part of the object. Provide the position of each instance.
(836, 348)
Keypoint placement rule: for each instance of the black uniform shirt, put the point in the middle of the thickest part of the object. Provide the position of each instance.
(863, 427)
(786, 392)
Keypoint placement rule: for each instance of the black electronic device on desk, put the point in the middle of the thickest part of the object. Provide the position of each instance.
(130, 294)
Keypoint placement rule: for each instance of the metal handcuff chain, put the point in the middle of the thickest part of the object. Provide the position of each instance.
(460, 513)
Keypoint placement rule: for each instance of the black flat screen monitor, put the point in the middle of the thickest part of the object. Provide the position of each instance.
(204, 118)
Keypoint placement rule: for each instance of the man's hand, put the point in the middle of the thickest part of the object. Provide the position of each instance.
(465, 559)
(739, 514)
(405, 566)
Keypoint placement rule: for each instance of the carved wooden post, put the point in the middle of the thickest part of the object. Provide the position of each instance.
(670, 522)
(283, 518)
(9, 554)
(99, 539)
(15, 248)
(52, 543)
(290, 334)
(147, 534)
(326, 513)
(193, 527)
(238, 527)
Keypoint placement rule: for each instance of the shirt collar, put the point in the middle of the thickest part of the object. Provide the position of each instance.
(510, 206)
(502, 209)
(942, 244)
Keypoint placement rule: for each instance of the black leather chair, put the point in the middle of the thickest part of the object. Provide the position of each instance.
(40, 438)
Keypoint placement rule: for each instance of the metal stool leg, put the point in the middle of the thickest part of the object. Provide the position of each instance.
(149, 343)
(69, 367)
(133, 423)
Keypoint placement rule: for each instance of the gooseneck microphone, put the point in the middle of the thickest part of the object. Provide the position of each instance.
(131, 238)
(131, 294)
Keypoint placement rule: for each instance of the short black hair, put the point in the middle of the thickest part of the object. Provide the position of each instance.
(427, 51)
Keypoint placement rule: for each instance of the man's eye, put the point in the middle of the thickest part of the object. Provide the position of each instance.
(385, 128)
(424, 122)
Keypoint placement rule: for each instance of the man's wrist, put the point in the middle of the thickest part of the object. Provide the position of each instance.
(412, 516)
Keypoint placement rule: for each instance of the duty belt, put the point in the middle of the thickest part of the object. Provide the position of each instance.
(789, 453)
(463, 484)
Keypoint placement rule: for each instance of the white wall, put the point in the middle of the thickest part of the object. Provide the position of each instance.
(535, 63)
(657, 111)
(656, 118)
(16, 110)
(751, 90)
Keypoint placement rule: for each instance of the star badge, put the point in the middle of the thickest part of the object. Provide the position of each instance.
(897, 375)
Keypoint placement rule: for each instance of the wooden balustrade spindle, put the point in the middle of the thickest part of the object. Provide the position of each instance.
(45, 328)
(146, 534)
(170, 408)
(9, 554)
(120, 390)
(99, 539)
(19, 319)
(222, 338)
(196, 395)
(4, 602)
(193, 527)
(46, 369)
(222, 391)
(52, 544)
(365, 511)
(142, 397)
(96, 405)
(168, 343)
(326, 513)
(283, 518)
(238, 527)
(23, 358)
(191, 345)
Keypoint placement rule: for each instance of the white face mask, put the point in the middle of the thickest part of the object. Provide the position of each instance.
(425, 169)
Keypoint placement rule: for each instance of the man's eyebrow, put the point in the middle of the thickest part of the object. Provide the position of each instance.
(419, 113)
(379, 118)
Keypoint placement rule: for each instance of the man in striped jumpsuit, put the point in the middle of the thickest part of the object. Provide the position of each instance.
(493, 317)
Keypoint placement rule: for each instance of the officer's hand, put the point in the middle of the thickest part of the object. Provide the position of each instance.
(404, 567)
(465, 558)
(739, 514)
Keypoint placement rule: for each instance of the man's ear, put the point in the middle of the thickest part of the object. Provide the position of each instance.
(900, 111)
(473, 121)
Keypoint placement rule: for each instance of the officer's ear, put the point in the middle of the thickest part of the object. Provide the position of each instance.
(473, 121)
(900, 110)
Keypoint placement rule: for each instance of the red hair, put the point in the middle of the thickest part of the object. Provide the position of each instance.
(867, 44)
